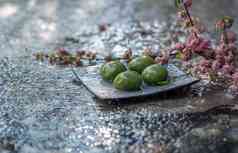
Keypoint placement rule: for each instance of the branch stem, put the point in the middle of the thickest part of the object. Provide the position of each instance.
(225, 36)
(190, 18)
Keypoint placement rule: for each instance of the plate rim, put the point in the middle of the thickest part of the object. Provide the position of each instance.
(192, 81)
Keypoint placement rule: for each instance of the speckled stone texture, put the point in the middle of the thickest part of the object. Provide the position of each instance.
(42, 108)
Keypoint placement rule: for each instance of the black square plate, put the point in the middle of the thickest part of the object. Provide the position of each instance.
(105, 91)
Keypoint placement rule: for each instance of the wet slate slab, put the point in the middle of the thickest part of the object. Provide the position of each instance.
(105, 91)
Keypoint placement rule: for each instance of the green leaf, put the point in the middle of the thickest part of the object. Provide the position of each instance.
(178, 3)
(178, 55)
(228, 21)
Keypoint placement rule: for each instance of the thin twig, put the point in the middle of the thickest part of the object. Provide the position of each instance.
(190, 18)
(225, 36)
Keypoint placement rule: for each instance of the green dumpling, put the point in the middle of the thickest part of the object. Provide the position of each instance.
(128, 81)
(155, 75)
(140, 63)
(110, 70)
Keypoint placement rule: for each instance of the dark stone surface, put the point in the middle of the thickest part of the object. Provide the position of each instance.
(43, 111)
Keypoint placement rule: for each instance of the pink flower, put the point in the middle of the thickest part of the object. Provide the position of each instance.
(204, 66)
(186, 54)
(192, 41)
(229, 59)
(162, 60)
(197, 43)
(191, 37)
(179, 46)
(227, 70)
(199, 28)
(216, 65)
(220, 51)
(220, 24)
(232, 46)
(205, 63)
(188, 3)
(220, 58)
(231, 37)
(225, 53)
(202, 46)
